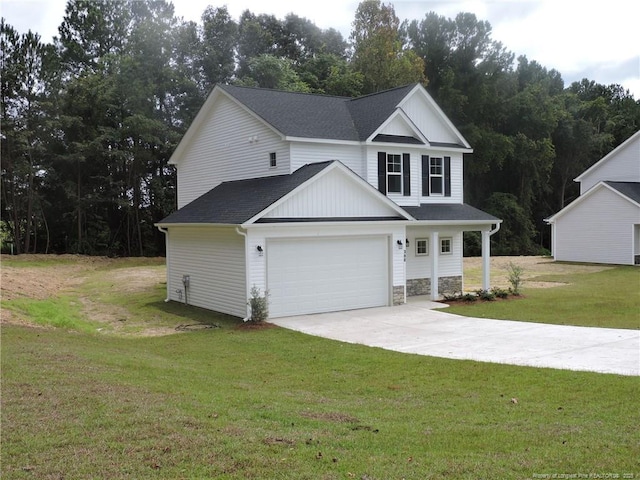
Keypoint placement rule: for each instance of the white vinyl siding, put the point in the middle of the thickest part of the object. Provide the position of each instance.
(398, 126)
(231, 144)
(303, 153)
(214, 259)
(622, 166)
(333, 195)
(590, 231)
(449, 265)
(314, 275)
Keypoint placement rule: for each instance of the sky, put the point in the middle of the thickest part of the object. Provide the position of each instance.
(598, 40)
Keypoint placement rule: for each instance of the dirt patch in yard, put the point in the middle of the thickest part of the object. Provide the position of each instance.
(40, 277)
(533, 266)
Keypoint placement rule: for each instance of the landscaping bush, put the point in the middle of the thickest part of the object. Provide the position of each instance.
(259, 305)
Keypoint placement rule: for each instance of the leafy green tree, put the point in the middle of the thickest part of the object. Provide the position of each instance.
(25, 78)
(268, 71)
(378, 51)
(219, 39)
(517, 231)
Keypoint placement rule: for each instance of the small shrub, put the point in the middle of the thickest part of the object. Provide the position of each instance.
(469, 297)
(259, 305)
(500, 292)
(515, 273)
(485, 295)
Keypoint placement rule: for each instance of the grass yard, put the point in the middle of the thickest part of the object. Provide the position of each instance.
(562, 294)
(128, 397)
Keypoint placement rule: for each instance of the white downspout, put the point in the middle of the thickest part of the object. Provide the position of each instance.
(486, 257)
(246, 270)
(166, 254)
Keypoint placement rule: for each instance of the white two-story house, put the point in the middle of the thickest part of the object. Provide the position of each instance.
(603, 224)
(326, 203)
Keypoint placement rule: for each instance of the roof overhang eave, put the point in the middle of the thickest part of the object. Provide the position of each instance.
(196, 225)
(454, 222)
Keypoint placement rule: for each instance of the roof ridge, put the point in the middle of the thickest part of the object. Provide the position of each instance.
(381, 92)
(246, 87)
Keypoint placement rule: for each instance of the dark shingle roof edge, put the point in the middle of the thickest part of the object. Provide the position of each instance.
(235, 202)
(630, 190)
(442, 212)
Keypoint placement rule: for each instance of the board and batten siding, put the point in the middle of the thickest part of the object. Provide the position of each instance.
(428, 120)
(599, 229)
(230, 144)
(333, 195)
(622, 166)
(214, 258)
(419, 266)
(303, 153)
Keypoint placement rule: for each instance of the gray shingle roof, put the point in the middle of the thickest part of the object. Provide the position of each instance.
(320, 116)
(628, 189)
(449, 211)
(236, 202)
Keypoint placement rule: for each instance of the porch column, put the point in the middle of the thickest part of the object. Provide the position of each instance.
(486, 260)
(434, 244)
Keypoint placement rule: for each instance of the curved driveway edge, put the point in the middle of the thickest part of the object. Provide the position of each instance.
(417, 328)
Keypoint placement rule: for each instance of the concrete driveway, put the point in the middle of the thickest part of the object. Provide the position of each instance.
(417, 328)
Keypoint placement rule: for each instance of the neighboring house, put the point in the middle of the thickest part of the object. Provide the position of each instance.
(328, 203)
(603, 224)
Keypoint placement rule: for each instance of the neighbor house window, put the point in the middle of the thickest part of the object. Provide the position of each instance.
(446, 246)
(436, 176)
(272, 159)
(422, 246)
(394, 173)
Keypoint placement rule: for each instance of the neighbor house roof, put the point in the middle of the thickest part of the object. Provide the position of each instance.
(630, 190)
(237, 201)
(606, 158)
(458, 212)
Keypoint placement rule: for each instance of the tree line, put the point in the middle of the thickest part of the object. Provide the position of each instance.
(90, 120)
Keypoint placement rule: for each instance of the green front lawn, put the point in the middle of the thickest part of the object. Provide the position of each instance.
(235, 403)
(271, 403)
(609, 298)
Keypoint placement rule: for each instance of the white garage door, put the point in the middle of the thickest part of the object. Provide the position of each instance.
(313, 275)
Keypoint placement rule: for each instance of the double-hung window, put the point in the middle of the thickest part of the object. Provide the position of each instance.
(436, 176)
(394, 173)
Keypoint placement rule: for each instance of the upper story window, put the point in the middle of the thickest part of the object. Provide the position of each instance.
(394, 173)
(436, 176)
(272, 159)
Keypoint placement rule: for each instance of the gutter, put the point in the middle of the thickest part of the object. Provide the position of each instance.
(246, 270)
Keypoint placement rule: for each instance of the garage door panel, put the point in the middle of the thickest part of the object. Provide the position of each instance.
(327, 274)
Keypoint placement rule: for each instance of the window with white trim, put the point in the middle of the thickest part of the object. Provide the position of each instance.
(446, 246)
(394, 173)
(436, 176)
(272, 159)
(422, 246)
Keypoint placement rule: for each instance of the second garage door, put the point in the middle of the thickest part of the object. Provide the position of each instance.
(320, 274)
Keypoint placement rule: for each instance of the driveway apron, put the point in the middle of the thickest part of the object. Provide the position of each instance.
(417, 328)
